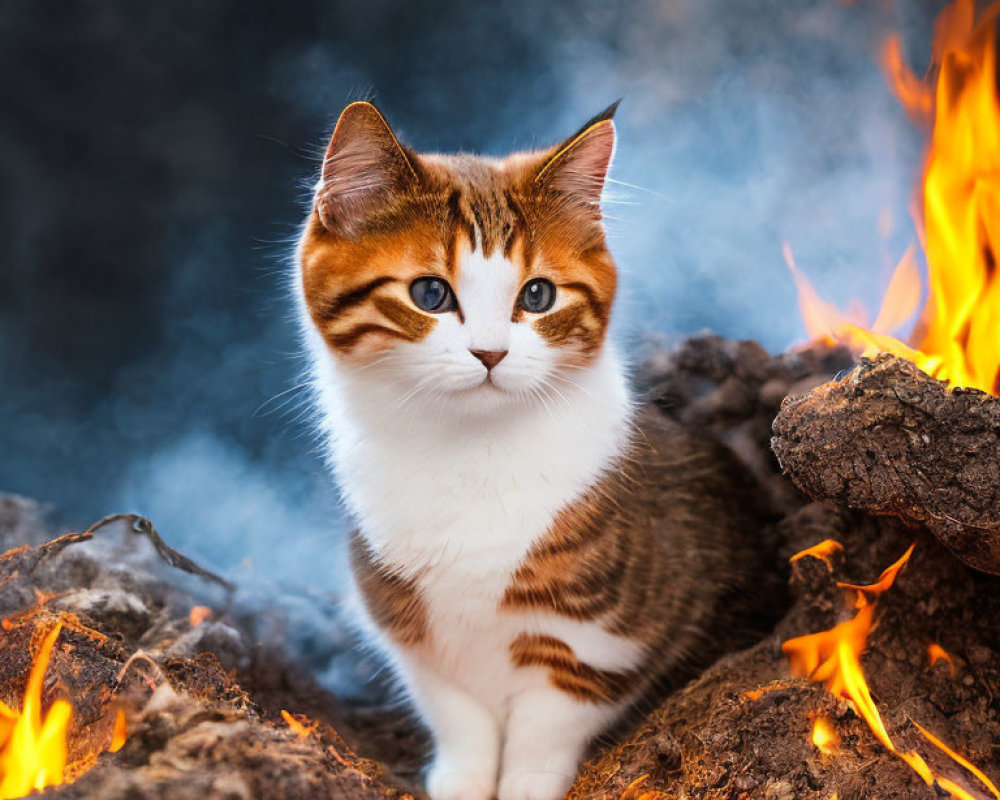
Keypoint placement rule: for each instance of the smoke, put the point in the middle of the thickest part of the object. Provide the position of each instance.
(153, 158)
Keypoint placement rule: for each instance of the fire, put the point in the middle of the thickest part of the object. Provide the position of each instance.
(955, 338)
(119, 733)
(301, 729)
(824, 736)
(833, 658)
(33, 747)
(937, 653)
(823, 551)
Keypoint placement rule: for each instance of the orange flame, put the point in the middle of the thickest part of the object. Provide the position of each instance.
(955, 338)
(937, 653)
(915, 95)
(823, 551)
(119, 733)
(33, 748)
(299, 728)
(833, 657)
(825, 736)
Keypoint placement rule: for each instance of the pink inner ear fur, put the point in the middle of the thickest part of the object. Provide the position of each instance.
(363, 164)
(580, 169)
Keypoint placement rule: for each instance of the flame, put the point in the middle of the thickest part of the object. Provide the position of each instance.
(959, 760)
(955, 336)
(33, 748)
(915, 95)
(119, 733)
(823, 551)
(833, 658)
(825, 736)
(937, 653)
(299, 728)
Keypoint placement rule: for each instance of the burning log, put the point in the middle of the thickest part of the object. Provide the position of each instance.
(889, 439)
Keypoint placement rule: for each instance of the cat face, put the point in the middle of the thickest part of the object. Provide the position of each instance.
(467, 282)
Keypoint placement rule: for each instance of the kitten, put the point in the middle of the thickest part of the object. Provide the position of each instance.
(532, 549)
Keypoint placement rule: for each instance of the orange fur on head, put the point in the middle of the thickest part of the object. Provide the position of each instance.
(384, 216)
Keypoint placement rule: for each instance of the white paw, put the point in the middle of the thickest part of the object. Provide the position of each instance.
(448, 781)
(534, 786)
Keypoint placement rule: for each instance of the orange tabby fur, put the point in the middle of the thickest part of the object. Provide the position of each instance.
(355, 281)
(531, 553)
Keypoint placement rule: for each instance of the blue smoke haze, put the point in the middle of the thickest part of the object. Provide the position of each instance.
(153, 159)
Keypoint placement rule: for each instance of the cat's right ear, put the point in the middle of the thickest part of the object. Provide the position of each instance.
(364, 166)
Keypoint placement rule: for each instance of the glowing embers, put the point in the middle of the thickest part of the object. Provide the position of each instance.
(301, 729)
(33, 746)
(34, 753)
(825, 736)
(955, 338)
(832, 658)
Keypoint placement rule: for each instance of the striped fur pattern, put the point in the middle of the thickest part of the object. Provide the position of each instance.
(656, 551)
(531, 551)
(533, 210)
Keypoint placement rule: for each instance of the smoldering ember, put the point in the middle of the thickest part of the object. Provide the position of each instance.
(888, 684)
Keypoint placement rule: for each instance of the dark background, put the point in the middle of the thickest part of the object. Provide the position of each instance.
(155, 159)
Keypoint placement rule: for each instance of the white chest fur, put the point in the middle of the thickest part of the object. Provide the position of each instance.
(430, 492)
(457, 503)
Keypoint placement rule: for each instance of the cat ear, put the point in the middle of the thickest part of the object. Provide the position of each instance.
(364, 166)
(579, 166)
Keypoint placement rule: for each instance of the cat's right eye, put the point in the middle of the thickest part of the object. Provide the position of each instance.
(433, 295)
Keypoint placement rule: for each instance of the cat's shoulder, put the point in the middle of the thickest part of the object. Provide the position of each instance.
(668, 455)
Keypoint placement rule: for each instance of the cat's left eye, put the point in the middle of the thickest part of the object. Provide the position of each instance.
(433, 294)
(537, 296)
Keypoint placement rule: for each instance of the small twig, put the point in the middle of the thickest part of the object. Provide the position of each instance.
(141, 526)
(56, 546)
(141, 655)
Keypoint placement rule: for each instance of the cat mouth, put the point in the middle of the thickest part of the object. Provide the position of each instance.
(486, 386)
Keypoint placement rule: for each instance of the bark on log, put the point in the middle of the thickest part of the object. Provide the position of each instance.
(889, 439)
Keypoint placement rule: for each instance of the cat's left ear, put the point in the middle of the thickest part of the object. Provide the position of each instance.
(578, 168)
(365, 169)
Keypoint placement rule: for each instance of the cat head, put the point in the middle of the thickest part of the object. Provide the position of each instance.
(459, 280)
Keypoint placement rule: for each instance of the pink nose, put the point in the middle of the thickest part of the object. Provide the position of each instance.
(490, 358)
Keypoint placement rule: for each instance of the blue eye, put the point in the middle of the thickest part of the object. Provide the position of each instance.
(538, 295)
(433, 294)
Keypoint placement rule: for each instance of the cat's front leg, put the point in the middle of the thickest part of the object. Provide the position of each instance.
(547, 734)
(466, 738)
